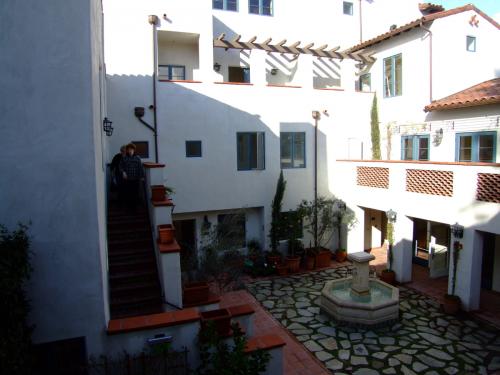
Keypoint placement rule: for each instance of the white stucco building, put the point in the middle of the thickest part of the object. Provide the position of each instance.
(231, 88)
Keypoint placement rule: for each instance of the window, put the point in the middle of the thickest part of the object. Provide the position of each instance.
(415, 147)
(393, 76)
(293, 150)
(172, 72)
(471, 43)
(348, 8)
(239, 74)
(365, 82)
(193, 149)
(225, 4)
(262, 7)
(476, 147)
(293, 226)
(142, 149)
(231, 230)
(250, 149)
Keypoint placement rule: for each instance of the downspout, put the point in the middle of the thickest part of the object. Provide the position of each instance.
(430, 59)
(360, 21)
(153, 21)
(316, 116)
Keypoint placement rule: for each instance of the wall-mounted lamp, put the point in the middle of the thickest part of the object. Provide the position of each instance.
(457, 230)
(217, 67)
(391, 216)
(274, 71)
(106, 126)
(438, 136)
(325, 112)
(316, 115)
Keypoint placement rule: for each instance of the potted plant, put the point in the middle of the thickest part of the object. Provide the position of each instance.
(341, 255)
(282, 269)
(388, 275)
(221, 319)
(160, 192)
(451, 302)
(166, 233)
(254, 250)
(195, 293)
(310, 259)
(293, 260)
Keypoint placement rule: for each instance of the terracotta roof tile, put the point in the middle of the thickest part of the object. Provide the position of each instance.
(481, 94)
(418, 22)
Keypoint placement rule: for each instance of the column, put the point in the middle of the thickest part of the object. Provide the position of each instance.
(402, 249)
(258, 67)
(355, 237)
(468, 276)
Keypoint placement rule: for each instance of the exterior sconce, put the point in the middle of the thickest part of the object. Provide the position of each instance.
(217, 67)
(391, 216)
(274, 71)
(457, 230)
(316, 115)
(106, 126)
(438, 136)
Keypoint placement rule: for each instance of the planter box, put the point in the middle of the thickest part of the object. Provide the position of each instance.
(158, 193)
(282, 269)
(451, 304)
(310, 261)
(221, 319)
(166, 233)
(293, 264)
(388, 277)
(323, 259)
(341, 256)
(274, 259)
(195, 293)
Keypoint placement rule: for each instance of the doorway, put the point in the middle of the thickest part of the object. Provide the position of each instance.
(375, 228)
(185, 234)
(430, 246)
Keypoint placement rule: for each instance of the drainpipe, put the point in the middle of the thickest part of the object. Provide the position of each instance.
(316, 116)
(430, 59)
(153, 21)
(360, 21)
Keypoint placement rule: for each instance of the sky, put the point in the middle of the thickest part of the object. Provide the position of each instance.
(490, 7)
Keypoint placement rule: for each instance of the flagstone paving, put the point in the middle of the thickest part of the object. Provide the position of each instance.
(424, 341)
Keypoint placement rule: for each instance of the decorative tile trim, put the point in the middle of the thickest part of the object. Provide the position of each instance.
(488, 187)
(376, 177)
(429, 182)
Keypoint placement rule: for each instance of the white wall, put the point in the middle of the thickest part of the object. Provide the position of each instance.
(53, 163)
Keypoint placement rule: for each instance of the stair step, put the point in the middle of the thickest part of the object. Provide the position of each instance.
(136, 300)
(135, 234)
(132, 266)
(137, 287)
(134, 243)
(125, 224)
(129, 255)
(118, 313)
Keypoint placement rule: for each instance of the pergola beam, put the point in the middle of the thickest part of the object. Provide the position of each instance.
(281, 47)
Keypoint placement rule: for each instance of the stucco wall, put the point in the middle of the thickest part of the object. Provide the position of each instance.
(52, 163)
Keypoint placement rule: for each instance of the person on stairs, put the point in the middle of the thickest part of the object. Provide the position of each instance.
(116, 174)
(132, 173)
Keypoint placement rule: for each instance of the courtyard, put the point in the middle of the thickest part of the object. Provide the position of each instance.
(423, 341)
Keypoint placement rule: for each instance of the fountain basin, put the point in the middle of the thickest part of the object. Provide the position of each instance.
(378, 306)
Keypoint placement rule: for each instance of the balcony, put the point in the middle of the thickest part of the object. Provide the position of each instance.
(440, 191)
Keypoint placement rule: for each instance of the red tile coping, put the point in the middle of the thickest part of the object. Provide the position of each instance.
(143, 322)
(469, 164)
(330, 89)
(150, 165)
(241, 310)
(287, 86)
(212, 298)
(165, 248)
(165, 202)
(265, 342)
(179, 81)
(234, 83)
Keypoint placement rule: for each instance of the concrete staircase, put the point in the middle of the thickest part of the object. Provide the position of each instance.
(134, 284)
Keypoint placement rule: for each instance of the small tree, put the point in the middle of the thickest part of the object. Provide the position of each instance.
(276, 219)
(15, 271)
(218, 358)
(318, 214)
(342, 216)
(375, 130)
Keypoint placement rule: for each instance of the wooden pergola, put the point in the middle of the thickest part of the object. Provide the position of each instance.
(294, 48)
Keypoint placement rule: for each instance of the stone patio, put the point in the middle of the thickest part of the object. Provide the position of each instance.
(424, 341)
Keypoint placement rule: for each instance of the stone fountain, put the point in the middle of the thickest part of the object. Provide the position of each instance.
(360, 300)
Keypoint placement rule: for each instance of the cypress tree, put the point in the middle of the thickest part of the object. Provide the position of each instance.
(276, 212)
(375, 131)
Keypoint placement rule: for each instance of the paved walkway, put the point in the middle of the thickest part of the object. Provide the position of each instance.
(297, 359)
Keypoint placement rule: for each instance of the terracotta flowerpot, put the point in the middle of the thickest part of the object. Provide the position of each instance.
(158, 193)
(323, 259)
(274, 259)
(221, 319)
(193, 293)
(340, 256)
(310, 262)
(293, 263)
(282, 269)
(388, 276)
(166, 233)
(451, 304)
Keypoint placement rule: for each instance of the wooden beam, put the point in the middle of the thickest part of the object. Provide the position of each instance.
(221, 36)
(237, 38)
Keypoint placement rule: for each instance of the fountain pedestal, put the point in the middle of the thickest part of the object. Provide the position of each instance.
(360, 274)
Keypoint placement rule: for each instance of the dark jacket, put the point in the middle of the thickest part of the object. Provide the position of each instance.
(132, 166)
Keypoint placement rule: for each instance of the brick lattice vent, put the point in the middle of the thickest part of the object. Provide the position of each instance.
(373, 177)
(488, 187)
(429, 182)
